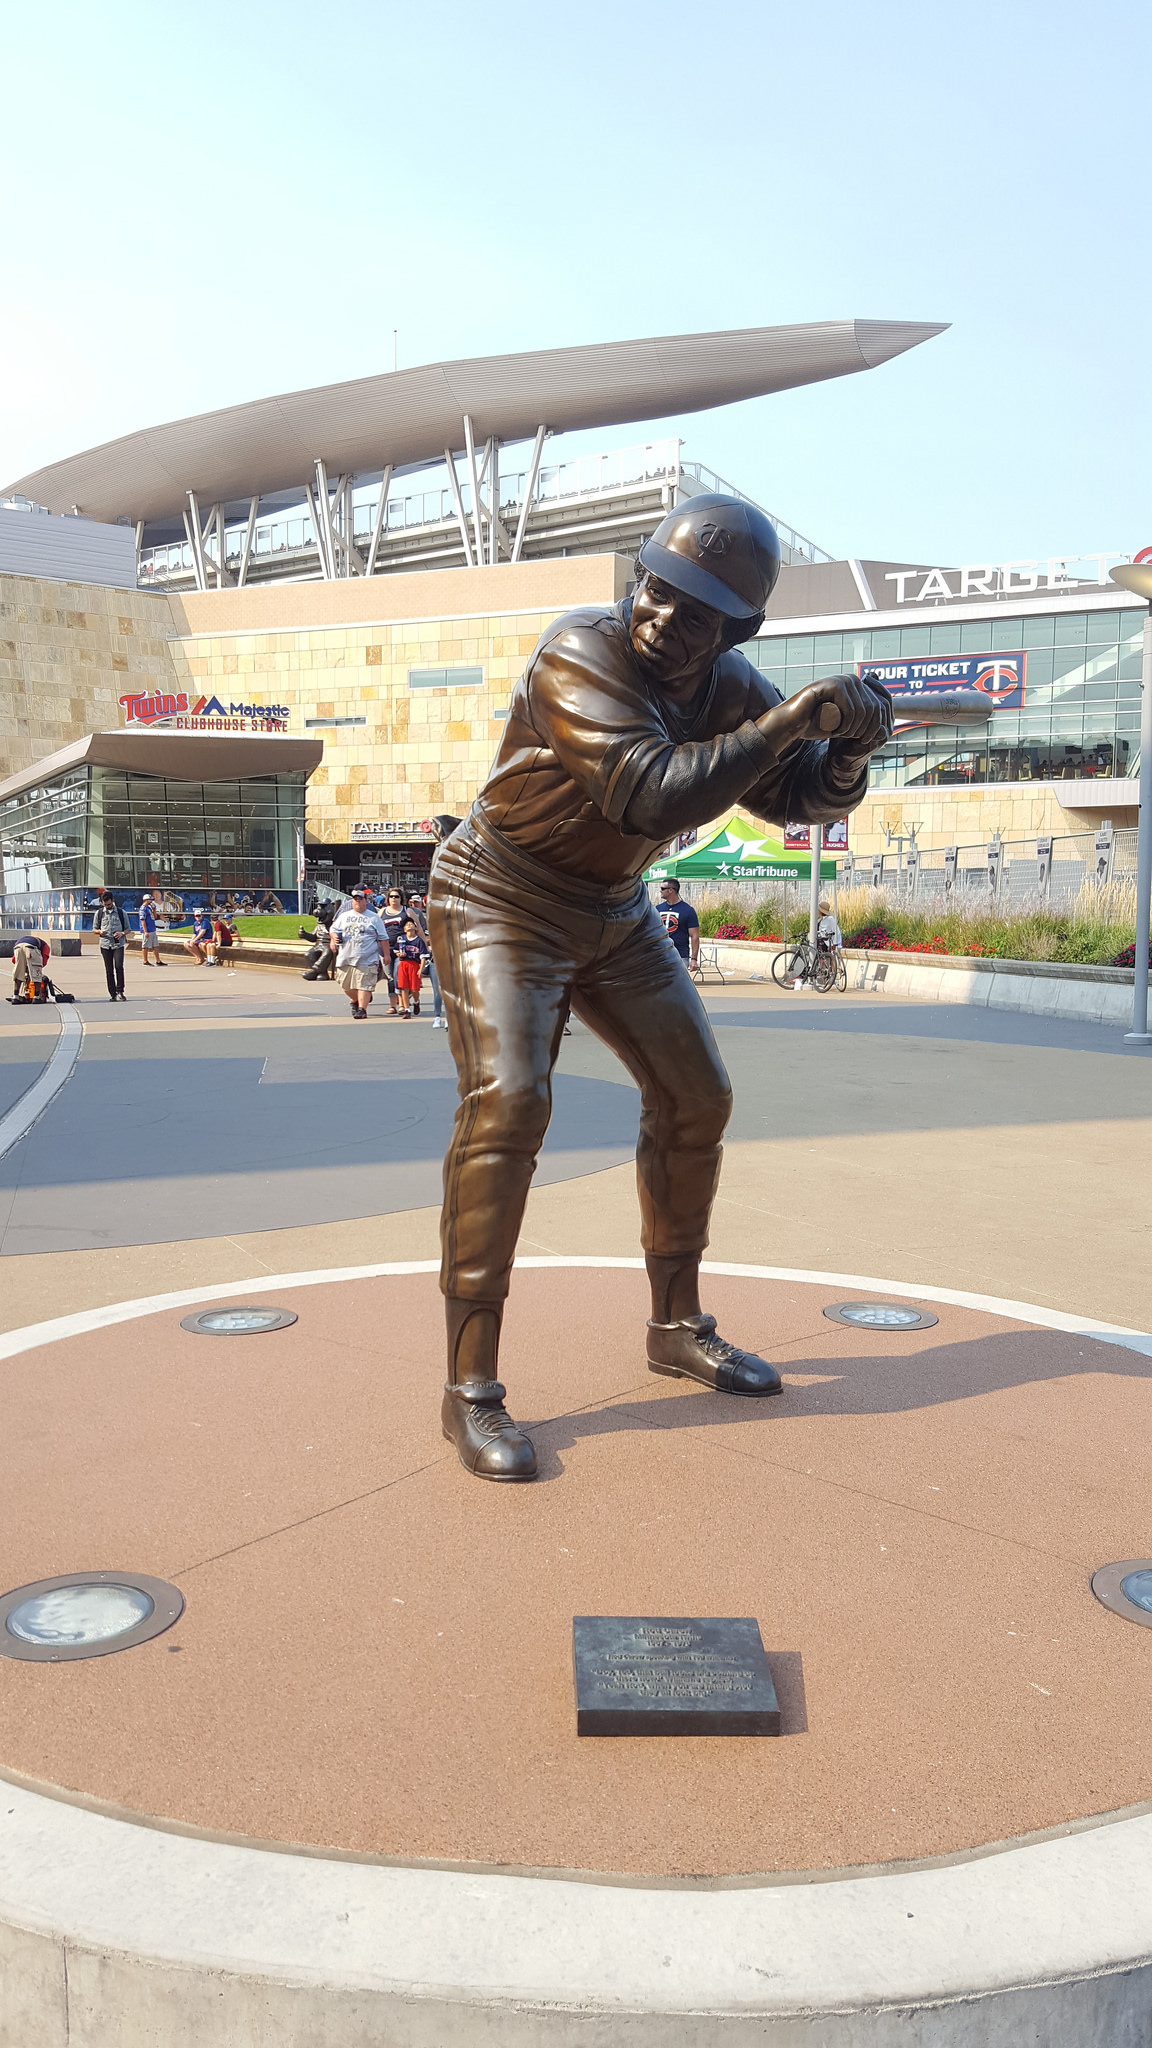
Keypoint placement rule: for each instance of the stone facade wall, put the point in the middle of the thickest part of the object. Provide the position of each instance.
(323, 650)
(68, 652)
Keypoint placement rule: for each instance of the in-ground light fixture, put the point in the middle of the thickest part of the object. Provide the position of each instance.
(85, 1614)
(237, 1322)
(881, 1315)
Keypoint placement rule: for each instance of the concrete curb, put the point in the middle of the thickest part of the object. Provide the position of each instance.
(1088, 995)
(116, 1934)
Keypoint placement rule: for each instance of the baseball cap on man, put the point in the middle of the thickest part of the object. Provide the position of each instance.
(719, 550)
(358, 892)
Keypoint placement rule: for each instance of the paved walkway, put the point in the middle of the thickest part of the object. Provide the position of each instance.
(222, 1125)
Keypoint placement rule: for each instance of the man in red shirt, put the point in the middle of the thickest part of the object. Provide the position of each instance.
(631, 724)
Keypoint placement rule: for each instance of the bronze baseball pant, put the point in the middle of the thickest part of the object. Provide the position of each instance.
(517, 945)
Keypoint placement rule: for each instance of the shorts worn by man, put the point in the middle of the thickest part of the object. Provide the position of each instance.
(631, 724)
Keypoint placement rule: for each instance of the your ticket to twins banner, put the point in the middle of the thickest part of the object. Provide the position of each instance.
(1000, 677)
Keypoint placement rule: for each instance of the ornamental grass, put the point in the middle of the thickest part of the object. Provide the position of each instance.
(1097, 929)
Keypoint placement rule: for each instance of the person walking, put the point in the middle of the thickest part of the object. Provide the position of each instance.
(416, 911)
(393, 914)
(362, 942)
(149, 943)
(681, 924)
(112, 926)
(408, 957)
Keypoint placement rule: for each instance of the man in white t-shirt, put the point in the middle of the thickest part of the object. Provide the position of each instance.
(360, 941)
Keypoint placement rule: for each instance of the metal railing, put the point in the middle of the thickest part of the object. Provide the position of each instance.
(583, 477)
(1018, 874)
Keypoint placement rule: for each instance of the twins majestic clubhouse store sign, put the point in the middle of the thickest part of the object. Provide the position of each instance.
(202, 714)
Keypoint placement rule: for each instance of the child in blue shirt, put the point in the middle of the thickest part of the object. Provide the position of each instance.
(409, 953)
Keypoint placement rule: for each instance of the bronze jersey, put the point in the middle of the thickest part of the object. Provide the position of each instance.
(597, 769)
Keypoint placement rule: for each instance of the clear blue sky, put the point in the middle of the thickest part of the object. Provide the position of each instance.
(207, 204)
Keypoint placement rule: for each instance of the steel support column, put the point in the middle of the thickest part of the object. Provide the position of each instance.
(525, 506)
(378, 522)
(246, 550)
(474, 481)
(457, 499)
(196, 538)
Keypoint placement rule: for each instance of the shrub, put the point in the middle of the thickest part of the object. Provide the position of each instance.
(716, 915)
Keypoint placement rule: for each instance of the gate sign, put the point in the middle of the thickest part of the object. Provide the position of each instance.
(998, 676)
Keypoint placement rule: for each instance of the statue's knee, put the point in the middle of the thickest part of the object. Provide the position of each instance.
(523, 1111)
(709, 1110)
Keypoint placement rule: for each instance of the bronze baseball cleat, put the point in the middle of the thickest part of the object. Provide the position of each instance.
(488, 1443)
(692, 1350)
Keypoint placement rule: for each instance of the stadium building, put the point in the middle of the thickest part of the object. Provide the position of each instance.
(302, 618)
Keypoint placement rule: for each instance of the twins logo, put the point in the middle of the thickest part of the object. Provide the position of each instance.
(713, 540)
(157, 708)
(999, 680)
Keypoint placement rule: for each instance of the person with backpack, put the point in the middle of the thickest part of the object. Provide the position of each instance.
(112, 926)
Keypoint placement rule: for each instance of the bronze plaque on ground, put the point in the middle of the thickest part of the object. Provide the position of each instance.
(657, 1675)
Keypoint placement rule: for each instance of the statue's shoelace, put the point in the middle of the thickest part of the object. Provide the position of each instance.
(721, 1352)
(491, 1421)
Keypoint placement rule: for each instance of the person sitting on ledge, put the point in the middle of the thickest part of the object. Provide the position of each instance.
(631, 724)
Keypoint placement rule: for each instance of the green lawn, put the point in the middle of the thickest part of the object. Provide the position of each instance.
(277, 928)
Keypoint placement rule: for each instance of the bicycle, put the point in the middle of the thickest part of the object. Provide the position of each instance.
(826, 969)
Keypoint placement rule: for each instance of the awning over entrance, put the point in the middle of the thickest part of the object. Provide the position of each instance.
(177, 756)
(738, 852)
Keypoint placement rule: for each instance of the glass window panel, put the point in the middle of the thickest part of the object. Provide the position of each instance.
(945, 639)
(1103, 626)
(1005, 636)
(1068, 662)
(1131, 661)
(1036, 632)
(1102, 666)
(1071, 630)
(797, 679)
(1131, 625)
(974, 636)
(885, 645)
(801, 650)
(1039, 670)
(829, 653)
(857, 648)
(915, 639)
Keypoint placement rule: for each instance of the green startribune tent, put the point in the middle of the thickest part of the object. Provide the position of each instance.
(738, 852)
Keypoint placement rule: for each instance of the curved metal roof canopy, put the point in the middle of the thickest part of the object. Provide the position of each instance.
(409, 417)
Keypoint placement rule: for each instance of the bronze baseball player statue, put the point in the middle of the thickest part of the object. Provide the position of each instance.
(631, 723)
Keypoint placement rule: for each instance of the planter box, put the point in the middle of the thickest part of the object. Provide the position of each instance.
(1091, 995)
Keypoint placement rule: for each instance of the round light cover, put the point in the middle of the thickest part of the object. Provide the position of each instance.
(1135, 576)
(1126, 1589)
(85, 1614)
(881, 1315)
(237, 1322)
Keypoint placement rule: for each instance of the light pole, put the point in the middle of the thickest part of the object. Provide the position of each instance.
(1137, 576)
